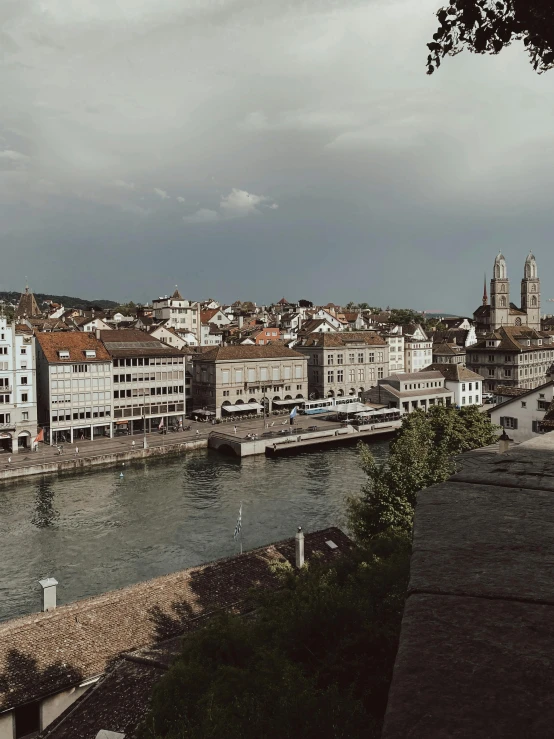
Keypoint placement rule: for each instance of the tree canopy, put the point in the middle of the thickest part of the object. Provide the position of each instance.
(488, 26)
(421, 455)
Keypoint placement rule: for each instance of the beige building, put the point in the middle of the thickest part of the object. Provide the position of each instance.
(409, 391)
(241, 379)
(344, 363)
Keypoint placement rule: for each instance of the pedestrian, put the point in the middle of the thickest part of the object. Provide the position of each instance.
(133, 443)
(197, 432)
(235, 429)
(9, 459)
(76, 450)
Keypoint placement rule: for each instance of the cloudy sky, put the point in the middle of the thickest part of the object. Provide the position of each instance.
(259, 148)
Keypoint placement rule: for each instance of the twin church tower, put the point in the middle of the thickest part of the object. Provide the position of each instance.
(501, 312)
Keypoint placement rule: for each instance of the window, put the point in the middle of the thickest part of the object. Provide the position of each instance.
(330, 358)
(380, 373)
(23, 350)
(340, 375)
(508, 423)
(225, 393)
(463, 387)
(90, 353)
(524, 404)
(360, 357)
(24, 397)
(25, 415)
(371, 357)
(330, 376)
(536, 428)
(225, 376)
(340, 358)
(27, 720)
(361, 373)
(299, 387)
(63, 354)
(351, 358)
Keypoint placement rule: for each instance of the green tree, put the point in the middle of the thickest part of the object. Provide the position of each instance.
(422, 454)
(488, 26)
(314, 659)
(404, 316)
(351, 305)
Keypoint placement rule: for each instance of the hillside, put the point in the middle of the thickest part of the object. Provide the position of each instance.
(65, 300)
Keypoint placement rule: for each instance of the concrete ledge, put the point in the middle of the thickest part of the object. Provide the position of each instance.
(476, 652)
(101, 460)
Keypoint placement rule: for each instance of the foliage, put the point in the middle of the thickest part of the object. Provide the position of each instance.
(127, 309)
(404, 316)
(315, 661)
(421, 455)
(305, 303)
(488, 26)
(65, 300)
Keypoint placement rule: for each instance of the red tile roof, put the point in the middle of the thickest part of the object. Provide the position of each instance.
(75, 342)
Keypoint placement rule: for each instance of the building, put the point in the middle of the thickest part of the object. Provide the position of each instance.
(27, 306)
(503, 312)
(411, 390)
(178, 313)
(344, 363)
(242, 379)
(18, 399)
(88, 666)
(512, 356)
(467, 386)
(167, 335)
(74, 386)
(522, 416)
(418, 348)
(148, 381)
(396, 351)
(445, 353)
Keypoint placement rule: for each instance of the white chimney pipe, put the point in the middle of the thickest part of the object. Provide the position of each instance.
(300, 548)
(48, 593)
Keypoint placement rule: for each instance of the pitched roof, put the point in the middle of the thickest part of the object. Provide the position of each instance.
(454, 372)
(177, 295)
(245, 351)
(412, 393)
(344, 339)
(207, 315)
(75, 342)
(45, 653)
(516, 393)
(425, 374)
(27, 305)
(510, 337)
(132, 342)
(446, 349)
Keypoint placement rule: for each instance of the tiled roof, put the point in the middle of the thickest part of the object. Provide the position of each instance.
(412, 376)
(510, 337)
(27, 305)
(446, 349)
(515, 393)
(414, 393)
(483, 311)
(344, 339)
(45, 653)
(132, 342)
(207, 315)
(177, 295)
(453, 372)
(245, 351)
(75, 342)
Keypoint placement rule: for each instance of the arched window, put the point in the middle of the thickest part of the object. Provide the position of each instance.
(534, 301)
(502, 302)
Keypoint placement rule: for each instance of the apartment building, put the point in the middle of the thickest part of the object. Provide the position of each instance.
(344, 363)
(148, 381)
(396, 351)
(512, 356)
(74, 386)
(178, 313)
(242, 378)
(418, 348)
(523, 416)
(18, 400)
(466, 385)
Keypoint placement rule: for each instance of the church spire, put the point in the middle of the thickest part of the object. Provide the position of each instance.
(485, 296)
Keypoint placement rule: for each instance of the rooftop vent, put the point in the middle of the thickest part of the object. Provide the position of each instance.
(63, 354)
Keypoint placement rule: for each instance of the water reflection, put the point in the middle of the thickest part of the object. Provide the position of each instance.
(45, 513)
(97, 531)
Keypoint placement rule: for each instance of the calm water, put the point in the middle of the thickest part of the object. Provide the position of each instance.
(97, 531)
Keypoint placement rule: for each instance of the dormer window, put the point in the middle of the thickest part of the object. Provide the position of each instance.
(90, 353)
(63, 354)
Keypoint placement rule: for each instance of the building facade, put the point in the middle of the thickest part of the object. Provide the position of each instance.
(512, 356)
(503, 312)
(148, 381)
(396, 351)
(344, 363)
(242, 378)
(522, 416)
(18, 399)
(418, 349)
(178, 313)
(467, 386)
(411, 391)
(74, 386)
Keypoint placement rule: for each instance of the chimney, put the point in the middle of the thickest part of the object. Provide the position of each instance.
(240, 321)
(300, 548)
(503, 442)
(48, 593)
(98, 334)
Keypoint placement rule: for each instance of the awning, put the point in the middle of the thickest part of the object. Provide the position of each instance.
(377, 411)
(292, 401)
(242, 407)
(120, 423)
(203, 413)
(353, 408)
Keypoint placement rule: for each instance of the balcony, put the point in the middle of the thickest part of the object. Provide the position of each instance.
(7, 426)
(6, 388)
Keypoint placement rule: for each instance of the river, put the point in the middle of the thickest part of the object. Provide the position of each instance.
(98, 531)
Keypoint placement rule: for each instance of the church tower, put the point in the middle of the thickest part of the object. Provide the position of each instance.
(531, 293)
(500, 294)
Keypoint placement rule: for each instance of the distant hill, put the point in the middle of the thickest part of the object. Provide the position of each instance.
(65, 300)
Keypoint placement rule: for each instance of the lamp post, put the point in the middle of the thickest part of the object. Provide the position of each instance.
(144, 442)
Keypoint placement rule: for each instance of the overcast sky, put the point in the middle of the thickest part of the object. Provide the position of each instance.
(258, 148)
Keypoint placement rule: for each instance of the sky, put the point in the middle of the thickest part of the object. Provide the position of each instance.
(255, 149)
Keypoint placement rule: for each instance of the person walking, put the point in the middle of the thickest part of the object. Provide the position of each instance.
(76, 450)
(197, 432)
(235, 430)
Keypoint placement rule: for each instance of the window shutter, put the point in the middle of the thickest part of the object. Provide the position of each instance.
(515, 423)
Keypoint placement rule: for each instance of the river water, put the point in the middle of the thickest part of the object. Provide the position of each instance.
(98, 531)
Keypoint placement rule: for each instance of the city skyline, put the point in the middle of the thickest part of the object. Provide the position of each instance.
(297, 150)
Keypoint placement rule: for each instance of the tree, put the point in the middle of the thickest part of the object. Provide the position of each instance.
(305, 303)
(421, 455)
(488, 26)
(404, 316)
(351, 305)
(314, 660)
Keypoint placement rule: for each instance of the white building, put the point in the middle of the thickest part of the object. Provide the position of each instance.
(396, 351)
(521, 416)
(178, 313)
(74, 382)
(168, 336)
(18, 400)
(410, 391)
(418, 349)
(467, 386)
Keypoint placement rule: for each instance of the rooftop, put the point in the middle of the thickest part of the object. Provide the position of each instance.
(75, 343)
(344, 339)
(454, 372)
(44, 653)
(246, 351)
(130, 342)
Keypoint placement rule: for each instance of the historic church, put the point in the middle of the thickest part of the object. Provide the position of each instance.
(501, 311)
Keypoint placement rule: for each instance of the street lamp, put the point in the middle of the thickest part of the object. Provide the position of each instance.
(144, 442)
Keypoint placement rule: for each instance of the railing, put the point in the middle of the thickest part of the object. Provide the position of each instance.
(6, 388)
(7, 426)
